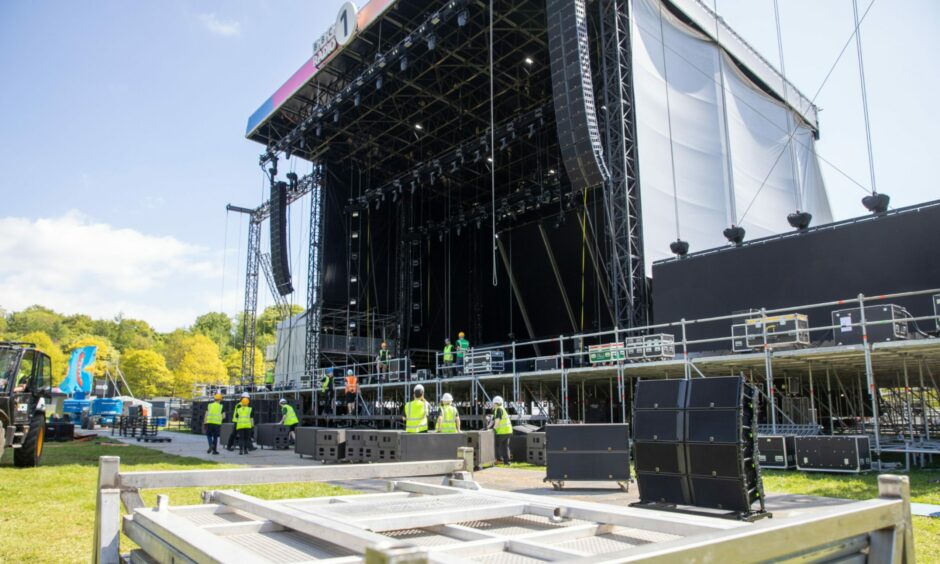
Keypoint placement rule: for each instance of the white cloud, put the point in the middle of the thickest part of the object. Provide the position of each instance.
(224, 28)
(75, 265)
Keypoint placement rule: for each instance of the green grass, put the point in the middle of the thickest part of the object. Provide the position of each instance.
(47, 514)
(925, 488)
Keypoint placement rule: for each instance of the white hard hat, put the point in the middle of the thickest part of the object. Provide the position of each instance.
(349, 372)
(498, 400)
(246, 395)
(447, 397)
(419, 388)
(283, 401)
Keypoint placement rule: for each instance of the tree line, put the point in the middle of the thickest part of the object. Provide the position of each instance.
(154, 364)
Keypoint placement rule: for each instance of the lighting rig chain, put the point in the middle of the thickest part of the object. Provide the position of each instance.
(374, 73)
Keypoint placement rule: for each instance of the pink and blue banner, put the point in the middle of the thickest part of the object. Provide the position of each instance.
(78, 377)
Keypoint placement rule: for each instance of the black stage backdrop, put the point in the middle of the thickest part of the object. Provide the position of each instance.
(886, 254)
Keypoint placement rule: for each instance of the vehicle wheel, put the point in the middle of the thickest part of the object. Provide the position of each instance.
(29, 453)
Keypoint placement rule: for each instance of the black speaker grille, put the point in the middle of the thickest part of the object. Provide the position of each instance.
(661, 394)
(280, 265)
(657, 458)
(659, 425)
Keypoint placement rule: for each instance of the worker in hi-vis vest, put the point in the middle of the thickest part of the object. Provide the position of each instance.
(243, 424)
(503, 427)
(352, 390)
(463, 347)
(448, 420)
(383, 361)
(288, 418)
(416, 412)
(213, 424)
(447, 359)
(326, 388)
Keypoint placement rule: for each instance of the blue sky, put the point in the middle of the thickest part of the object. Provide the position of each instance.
(122, 134)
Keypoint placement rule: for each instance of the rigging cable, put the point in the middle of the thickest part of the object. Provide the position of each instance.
(861, 76)
(224, 257)
(812, 101)
(493, 146)
(672, 155)
(791, 126)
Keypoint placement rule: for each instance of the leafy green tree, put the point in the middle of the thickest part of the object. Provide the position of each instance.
(107, 356)
(233, 364)
(44, 343)
(37, 318)
(78, 324)
(146, 373)
(133, 334)
(217, 326)
(199, 363)
(3, 321)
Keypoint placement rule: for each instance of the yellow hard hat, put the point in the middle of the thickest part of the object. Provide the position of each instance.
(218, 397)
(460, 334)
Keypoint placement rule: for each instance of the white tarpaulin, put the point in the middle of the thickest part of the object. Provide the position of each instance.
(713, 189)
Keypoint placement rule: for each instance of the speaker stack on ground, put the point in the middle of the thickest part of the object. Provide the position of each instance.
(696, 445)
(777, 451)
(535, 448)
(837, 453)
(589, 452)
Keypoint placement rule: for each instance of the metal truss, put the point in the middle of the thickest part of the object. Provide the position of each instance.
(314, 277)
(624, 229)
(249, 324)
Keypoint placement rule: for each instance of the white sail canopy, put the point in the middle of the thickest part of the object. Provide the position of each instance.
(732, 159)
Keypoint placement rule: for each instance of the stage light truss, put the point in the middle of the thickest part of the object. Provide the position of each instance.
(371, 76)
(473, 151)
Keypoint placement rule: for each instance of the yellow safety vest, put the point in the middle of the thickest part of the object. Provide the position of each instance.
(416, 416)
(214, 414)
(448, 419)
(290, 418)
(503, 425)
(243, 417)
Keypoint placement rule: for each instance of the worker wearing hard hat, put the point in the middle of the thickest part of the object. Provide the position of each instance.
(503, 426)
(447, 358)
(382, 362)
(243, 424)
(352, 390)
(288, 418)
(326, 388)
(448, 420)
(463, 347)
(416, 412)
(213, 424)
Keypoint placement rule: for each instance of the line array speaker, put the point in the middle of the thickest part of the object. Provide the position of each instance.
(280, 265)
(695, 443)
(573, 94)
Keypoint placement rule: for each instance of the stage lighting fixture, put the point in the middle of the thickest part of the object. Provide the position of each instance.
(336, 117)
(413, 186)
(479, 223)
(273, 171)
(357, 100)
(287, 152)
(477, 156)
(679, 247)
(403, 64)
(462, 18)
(799, 220)
(453, 166)
(531, 130)
(551, 172)
(876, 202)
(503, 144)
(419, 127)
(489, 159)
(378, 82)
(734, 234)
(319, 130)
(432, 42)
(529, 61)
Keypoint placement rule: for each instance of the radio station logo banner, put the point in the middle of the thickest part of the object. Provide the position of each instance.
(78, 376)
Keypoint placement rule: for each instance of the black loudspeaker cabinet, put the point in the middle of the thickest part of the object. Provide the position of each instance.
(838, 453)
(659, 425)
(664, 488)
(731, 494)
(280, 264)
(776, 451)
(305, 441)
(718, 425)
(846, 331)
(718, 392)
(660, 458)
(661, 394)
(591, 452)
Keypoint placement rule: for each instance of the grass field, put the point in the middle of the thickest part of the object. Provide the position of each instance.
(47, 514)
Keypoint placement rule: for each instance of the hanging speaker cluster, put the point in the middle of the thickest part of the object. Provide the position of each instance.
(280, 265)
(573, 94)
